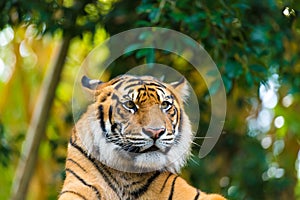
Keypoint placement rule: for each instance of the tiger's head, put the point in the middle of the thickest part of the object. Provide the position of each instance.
(137, 124)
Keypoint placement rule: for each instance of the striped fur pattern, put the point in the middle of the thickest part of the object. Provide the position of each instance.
(131, 143)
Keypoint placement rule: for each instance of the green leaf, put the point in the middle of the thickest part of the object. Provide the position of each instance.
(227, 83)
(205, 32)
(142, 53)
(144, 35)
(131, 48)
(241, 6)
(214, 87)
(233, 69)
(249, 79)
(144, 8)
(258, 68)
(153, 14)
(141, 23)
(150, 57)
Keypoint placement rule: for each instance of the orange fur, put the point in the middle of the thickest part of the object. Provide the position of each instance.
(95, 168)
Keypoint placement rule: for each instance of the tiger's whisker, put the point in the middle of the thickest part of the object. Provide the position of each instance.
(196, 144)
(205, 137)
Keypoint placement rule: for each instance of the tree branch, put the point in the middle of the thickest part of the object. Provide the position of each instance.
(38, 124)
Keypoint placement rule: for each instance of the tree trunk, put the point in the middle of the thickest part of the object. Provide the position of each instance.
(38, 124)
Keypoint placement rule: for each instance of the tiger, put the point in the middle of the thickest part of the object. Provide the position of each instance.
(131, 142)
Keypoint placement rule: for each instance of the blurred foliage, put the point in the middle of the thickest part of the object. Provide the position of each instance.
(4, 148)
(74, 17)
(253, 44)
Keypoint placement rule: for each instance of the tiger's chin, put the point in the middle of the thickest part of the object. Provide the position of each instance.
(151, 159)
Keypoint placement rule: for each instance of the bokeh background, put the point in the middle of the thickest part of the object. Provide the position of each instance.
(255, 45)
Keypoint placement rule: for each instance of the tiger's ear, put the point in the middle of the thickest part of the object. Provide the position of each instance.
(182, 88)
(90, 83)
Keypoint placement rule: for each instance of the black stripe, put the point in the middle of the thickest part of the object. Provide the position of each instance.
(157, 84)
(73, 137)
(110, 114)
(197, 195)
(172, 189)
(141, 89)
(137, 140)
(118, 85)
(113, 127)
(108, 177)
(152, 95)
(120, 113)
(101, 170)
(116, 81)
(85, 183)
(76, 163)
(126, 124)
(76, 193)
(169, 97)
(179, 121)
(115, 97)
(170, 139)
(101, 116)
(144, 100)
(130, 91)
(132, 85)
(158, 98)
(162, 90)
(151, 89)
(139, 192)
(133, 79)
(174, 112)
(138, 98)
(133, 183)
(164, 185)
(103, 99)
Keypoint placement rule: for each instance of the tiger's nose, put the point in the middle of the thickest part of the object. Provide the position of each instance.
(154, 133)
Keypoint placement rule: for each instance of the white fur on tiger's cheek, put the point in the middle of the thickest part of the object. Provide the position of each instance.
(180, 151)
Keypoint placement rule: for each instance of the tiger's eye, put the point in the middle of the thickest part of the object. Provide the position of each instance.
(165, 105)
(130, 104)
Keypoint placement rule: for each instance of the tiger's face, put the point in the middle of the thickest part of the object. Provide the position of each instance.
(139, 123)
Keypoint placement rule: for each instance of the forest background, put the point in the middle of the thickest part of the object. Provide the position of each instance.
(255, 45)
